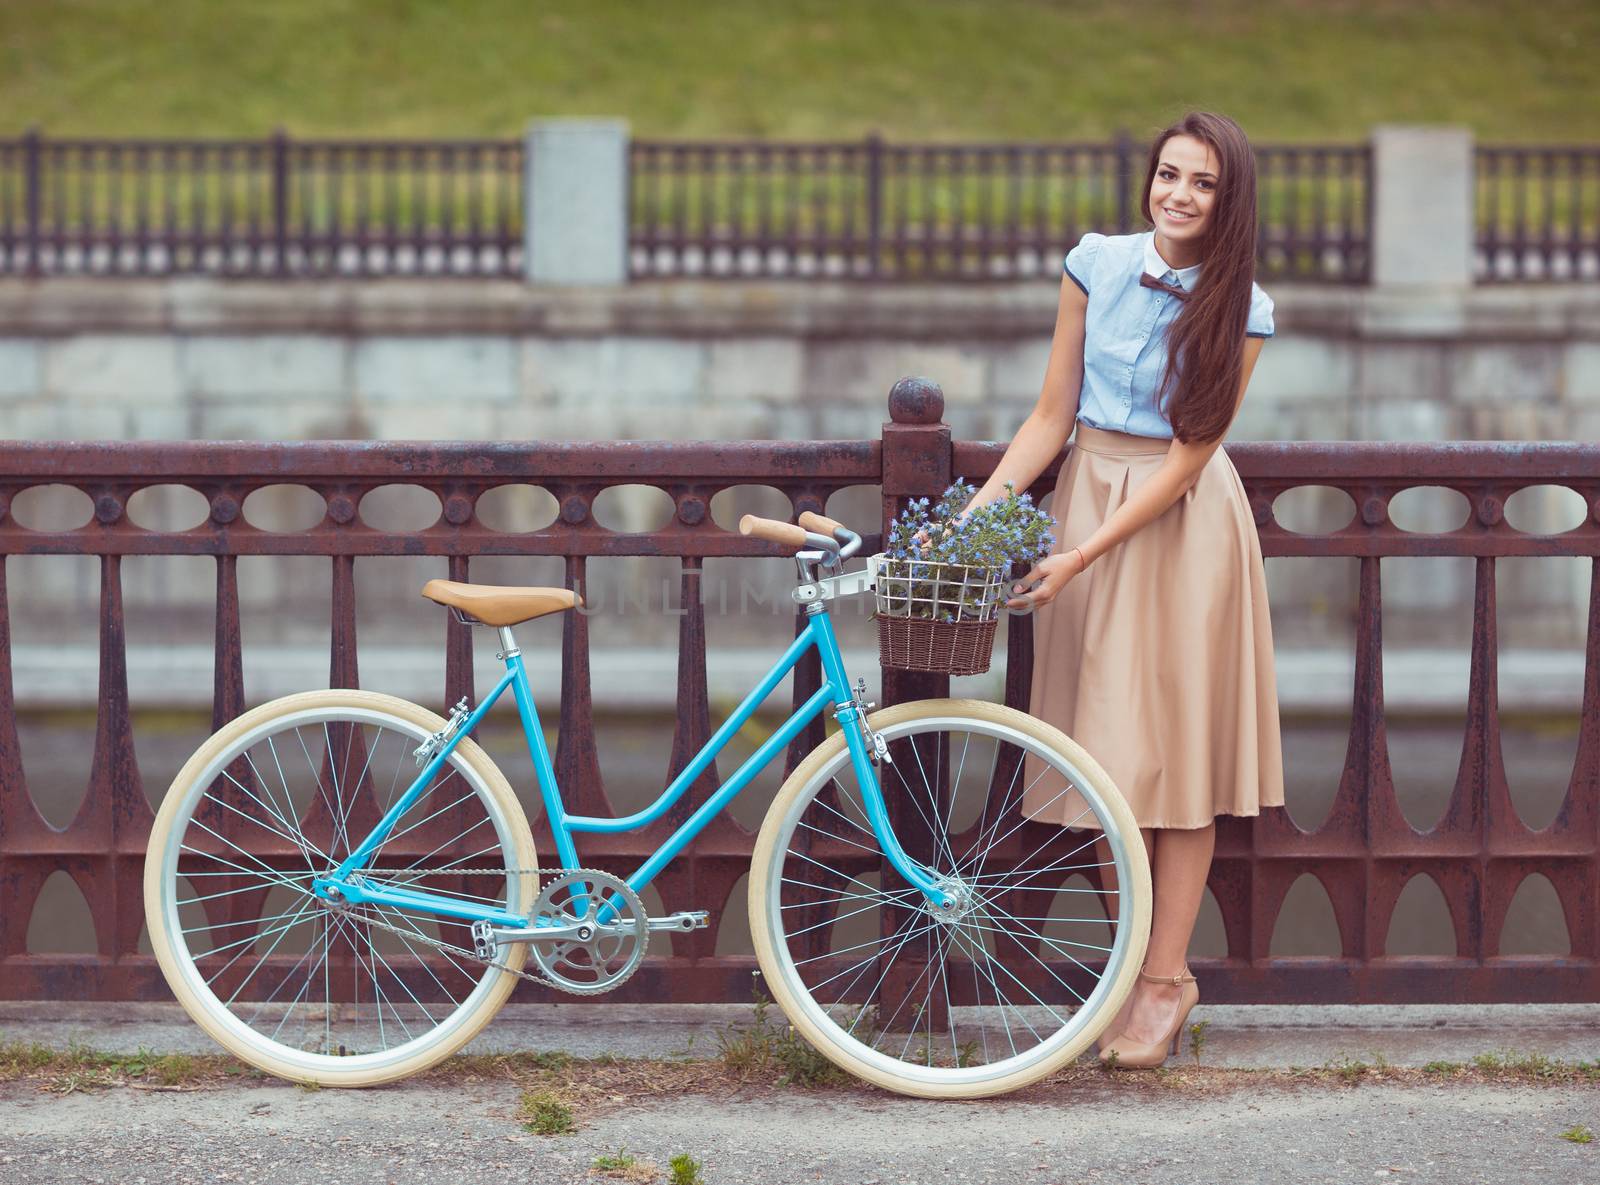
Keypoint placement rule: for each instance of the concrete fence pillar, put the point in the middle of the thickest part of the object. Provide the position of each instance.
(1423, 184)
(575, 225)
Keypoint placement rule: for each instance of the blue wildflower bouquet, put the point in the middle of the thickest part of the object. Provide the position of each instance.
(939, 566)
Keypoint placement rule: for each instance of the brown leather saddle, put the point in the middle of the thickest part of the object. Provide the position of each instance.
(502, 605)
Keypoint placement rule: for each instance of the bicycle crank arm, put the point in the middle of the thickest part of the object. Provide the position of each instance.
(576, 932)
(697, 919)
(486, 938)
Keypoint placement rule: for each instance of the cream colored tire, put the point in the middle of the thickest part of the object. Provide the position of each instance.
(777, 892)
(503, 828)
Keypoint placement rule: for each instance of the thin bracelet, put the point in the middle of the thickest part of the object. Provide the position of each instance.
(1081, 560)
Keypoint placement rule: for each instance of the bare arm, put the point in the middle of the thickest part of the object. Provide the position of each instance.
(1179, 470)
(1041, 436)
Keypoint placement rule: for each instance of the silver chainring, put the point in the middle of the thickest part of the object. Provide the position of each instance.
(584, 987)
(615, 947)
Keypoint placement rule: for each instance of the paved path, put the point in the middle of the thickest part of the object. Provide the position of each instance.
(448, 1134)
(1274, 1128)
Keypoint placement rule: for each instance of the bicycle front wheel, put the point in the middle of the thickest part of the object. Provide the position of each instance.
(1011, 981)
(349, 996)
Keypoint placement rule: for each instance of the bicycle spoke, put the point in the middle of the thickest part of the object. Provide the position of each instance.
(307, 848)
(1053, 943)
(1023, 822)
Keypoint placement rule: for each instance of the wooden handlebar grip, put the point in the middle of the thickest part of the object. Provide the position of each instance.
(821, 524)
(772, 530)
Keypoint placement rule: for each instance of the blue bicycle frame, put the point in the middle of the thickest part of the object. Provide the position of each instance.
(833, 693)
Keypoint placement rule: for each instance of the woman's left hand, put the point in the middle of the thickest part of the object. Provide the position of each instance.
(1052, 573)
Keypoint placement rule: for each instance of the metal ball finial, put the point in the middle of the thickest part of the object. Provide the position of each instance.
(915, 400)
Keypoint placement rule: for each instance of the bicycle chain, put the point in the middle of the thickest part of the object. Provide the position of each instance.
(473, 956)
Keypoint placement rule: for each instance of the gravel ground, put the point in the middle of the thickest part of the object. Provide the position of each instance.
(444, 1133)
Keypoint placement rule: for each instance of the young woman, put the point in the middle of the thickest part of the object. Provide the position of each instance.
(1152, 640)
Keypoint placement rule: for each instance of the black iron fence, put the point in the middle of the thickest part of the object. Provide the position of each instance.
(868, 209)
(277, 207)
(881, 211)
(1364, 853)
(1538, 211)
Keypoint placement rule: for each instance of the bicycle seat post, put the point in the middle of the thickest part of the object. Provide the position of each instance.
(508, 645)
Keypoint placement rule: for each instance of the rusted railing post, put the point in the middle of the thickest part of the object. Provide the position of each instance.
(916, 464)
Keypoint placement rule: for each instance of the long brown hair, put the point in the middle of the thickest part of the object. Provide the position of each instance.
(1205, 344)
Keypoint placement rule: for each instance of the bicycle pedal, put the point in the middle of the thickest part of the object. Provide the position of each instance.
(483, 943)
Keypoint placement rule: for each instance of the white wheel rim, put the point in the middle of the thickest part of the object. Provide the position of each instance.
(217, 1011)
(974, 1077)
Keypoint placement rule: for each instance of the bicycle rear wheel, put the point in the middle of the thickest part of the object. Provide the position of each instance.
(1014, 980)
(280, 796)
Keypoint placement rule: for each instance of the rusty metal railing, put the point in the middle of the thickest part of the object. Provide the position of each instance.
(1363, 853)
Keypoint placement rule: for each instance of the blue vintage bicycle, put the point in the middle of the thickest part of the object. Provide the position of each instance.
(332, 913)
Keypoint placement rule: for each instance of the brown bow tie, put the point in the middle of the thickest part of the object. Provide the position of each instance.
(1146, 280)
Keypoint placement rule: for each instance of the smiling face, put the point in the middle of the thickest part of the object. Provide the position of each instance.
(1181, 196)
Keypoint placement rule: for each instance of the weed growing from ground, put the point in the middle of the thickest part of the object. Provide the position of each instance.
(765, 1046)
(1578, 1134)
(549, 1059)
(1197, 1038)
(545, 1114)
(686, 1170)
(1351, 1071)
(623, 1166)
(1538, 1067)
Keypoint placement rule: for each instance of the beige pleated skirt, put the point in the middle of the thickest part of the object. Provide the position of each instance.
(1158, 658)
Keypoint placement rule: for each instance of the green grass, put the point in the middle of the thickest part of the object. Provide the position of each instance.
(81, 1068)
(914, 69)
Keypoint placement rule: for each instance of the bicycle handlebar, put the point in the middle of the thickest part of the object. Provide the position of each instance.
(821, 523)
(817, 538)
(773, 531)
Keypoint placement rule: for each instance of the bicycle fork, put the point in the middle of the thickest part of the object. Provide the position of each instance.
(866, 749)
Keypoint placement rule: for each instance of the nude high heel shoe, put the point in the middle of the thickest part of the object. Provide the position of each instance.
(1131, 1053)
(1114, 1029)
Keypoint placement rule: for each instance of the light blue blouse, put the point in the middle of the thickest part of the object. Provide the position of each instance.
(1125, 328)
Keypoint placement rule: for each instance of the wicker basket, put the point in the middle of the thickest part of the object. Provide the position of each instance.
(937, 617)
(946, 647)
